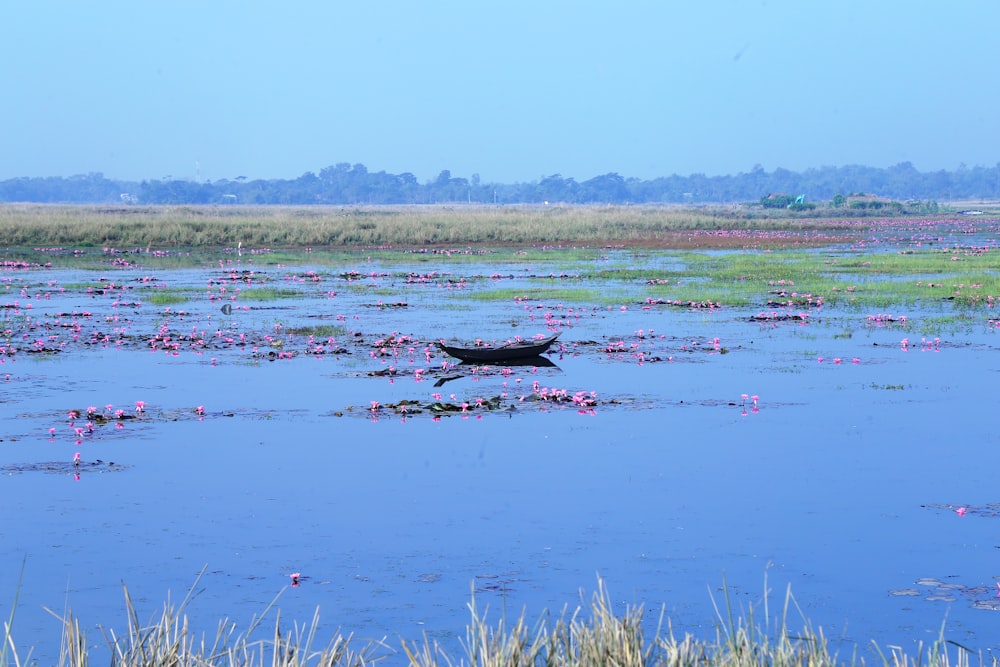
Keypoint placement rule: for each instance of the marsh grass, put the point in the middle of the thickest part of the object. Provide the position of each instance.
(33, 225)
(270, 294)
(317, 330)
(551, 295)
(162, 297)
(592, 634)
(569, 238)
(8, 651)
(863, 281)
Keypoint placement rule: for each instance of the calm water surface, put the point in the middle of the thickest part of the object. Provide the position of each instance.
(841, 482)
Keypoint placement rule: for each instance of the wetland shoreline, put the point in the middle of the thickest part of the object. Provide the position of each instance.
(750, 307)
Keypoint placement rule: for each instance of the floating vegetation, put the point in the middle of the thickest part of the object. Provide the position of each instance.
(76, 467)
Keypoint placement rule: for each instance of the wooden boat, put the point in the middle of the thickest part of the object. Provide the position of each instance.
(513, 351)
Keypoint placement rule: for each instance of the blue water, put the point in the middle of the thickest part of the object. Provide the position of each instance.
(840, 483)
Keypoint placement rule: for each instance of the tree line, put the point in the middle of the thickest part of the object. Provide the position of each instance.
(347, 184)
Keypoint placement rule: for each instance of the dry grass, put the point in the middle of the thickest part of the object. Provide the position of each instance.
(592, 636)
(126, 227)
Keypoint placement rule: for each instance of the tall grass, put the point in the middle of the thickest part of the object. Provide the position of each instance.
(33, 225)
(592, 635)
(8, 652)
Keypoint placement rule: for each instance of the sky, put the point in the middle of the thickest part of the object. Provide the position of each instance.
(513, 91)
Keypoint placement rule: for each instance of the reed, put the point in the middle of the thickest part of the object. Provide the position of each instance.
(592, 635)
(8, 651)
(34, 225)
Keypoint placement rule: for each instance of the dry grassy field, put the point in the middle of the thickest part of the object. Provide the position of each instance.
(34, 225)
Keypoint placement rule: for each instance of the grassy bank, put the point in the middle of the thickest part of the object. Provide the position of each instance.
(591, 635)
(34, 225)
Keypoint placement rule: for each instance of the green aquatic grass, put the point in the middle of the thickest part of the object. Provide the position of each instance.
(166, 298)
(577, 295)
(318, 331)
(801, 276)
(80, 287)
(270, 294)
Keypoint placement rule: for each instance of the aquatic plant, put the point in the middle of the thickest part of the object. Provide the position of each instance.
(270, 293)
(240, 228)
(589, 634)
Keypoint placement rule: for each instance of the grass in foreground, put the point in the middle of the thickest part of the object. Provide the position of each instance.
(591, 635)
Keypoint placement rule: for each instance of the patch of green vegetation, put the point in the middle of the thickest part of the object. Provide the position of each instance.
(633, 274)
(318, 330)
(802, 278)
(956, 322)
(548, 295)
(269, 294)
(166, 298)
(381, 291)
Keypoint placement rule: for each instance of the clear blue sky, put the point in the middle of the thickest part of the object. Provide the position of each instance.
(513, 91)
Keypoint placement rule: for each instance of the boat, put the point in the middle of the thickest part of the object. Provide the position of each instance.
(513, 351)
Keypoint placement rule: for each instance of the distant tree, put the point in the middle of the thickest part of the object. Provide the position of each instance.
(607, 188)
(344, 183)
(776, 200)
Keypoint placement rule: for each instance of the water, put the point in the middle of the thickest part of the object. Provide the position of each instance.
(840, 481)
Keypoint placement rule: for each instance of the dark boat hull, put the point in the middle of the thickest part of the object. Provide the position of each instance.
(525, 349)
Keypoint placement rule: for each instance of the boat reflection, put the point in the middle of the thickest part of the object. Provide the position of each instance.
(467, 368)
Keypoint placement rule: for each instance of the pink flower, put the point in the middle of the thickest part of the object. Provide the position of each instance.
(961, 512)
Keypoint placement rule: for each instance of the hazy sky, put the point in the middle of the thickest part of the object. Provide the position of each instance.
(513, 91)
